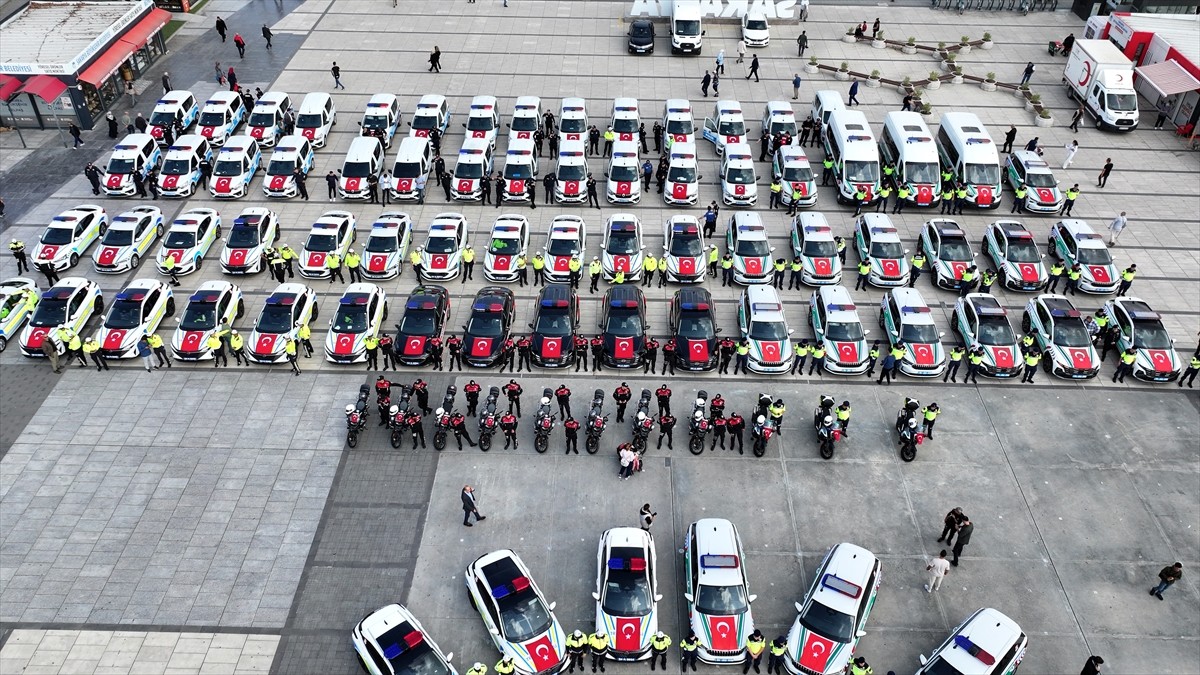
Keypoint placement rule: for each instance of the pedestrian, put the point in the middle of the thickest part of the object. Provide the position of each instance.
(75, 134)
(937, 568)
(1092, 666)
(852, 100)
(230, 77)
(716, 85)
(240, 43)
(1010, 137)
(1076, 119)
(1167, 576)
(875, 28)
(1105, 171)
(1029, 70)
(331, 183)
(166, 83)
(753, 68)
(964, 538)
(336, 71)
(801, 43)
(720, 67)
(906, 103)
(741, 56)
(470, 506)
(1164, 111)
(796, 80)
(646, 516)
(951, 523)
(705, 82)
(1071, 148)
(221, 28)
(1032, 145)
(887, 366)
(804, 10)
(435, 60)
(267, 35)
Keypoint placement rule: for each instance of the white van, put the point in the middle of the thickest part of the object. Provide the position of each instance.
(825, 102)
(907, 146)
(678, 124)
(414, 159)
(317, 115)
(855, 154)
(967, 151)
(363, 160)
(687, 31)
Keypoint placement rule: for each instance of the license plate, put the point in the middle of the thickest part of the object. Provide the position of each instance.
(1079, 377)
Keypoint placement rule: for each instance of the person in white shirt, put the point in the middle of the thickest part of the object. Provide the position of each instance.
(804, 10)
(1116, 227)
(938, 569)
(741, 50)
(1072, 148)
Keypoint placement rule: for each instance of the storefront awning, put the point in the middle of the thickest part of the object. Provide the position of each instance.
(1168, 77)
(46, 87)
(140, 33)
(106, 64)
(8, 87)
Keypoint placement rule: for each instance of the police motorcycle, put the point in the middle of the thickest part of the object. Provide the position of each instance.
(764, 406)
(909, 429)
(596, 421)
(699, 422)
(356, 415)
(398, 416)
(761, 434)
(827, 432)
(543, 422)
(442, 418)
(643, 423)
(489, 420)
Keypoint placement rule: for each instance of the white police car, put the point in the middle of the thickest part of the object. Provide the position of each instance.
(1028, 168)
(474, 162)
(236, 164)
(1074, 242)
(136, 154)
(68, 236)
(69, 303)
(907, 320)
(572, 120)
(13, 308)
(188, 239)
(381, 118)
(526, 118)
(441, 256)
(128, 239)
(364, 159)
(215, 303)
(833, 617)
(946, 248)
(290, 153)
(626, 592)
(333, 232)
(746, 240)
(1062, 337)
(361, 312)
(987, 643)
(176, 105)
(137, 310)
(684, 249)
(431, 113)
(622, 249)
(390, 641)
(726, 126)
(716, 590)
(837, 326)
(387, 245)
(739, 184)
(626, 121)
(1015, 256)
(683, 179)
(762, 323)
(509, 239)
(1140, 327)
(624, 174)
(316, 118)
(483, 120)
(570, 184)
(220, 116)
(287, 308)
(181, 167)
(779, 118)
(520, 622)
(792, 168)
(678, 124)
(566, 240)
(981, 321)
(520, 169)
(878, 242)
(813, 242)
(265, 123)
(254, 230)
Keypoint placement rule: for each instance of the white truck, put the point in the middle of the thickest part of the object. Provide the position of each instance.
(687, 32)
(1100, 76)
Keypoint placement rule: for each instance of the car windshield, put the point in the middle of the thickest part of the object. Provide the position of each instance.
(627, 593)
(524, 123)
(687, 27)
(819, 248)
(162, 118)
(571, 172)
(522, 617)
(406, 170)
(981, 174)
(504, 246)
(1024, 251)
(180, 239)
(1040, 180)
(518, 171)
(418, 660)
(281, 167)
(243, 237)
(1070, 332)
(684, 244)
(783, 127)
(553, 322)
(310, 121)
(798, 174)
(275, 319)
(49, 312)
(732, 128)
(756, 24)
(721, 600)
(228, 167)
(441, 244)
(562, 246)
(887, 249)
(740, 176)
(177, 167)
(350, 319)
(199, 316)
(480, 123)
(124, 314)
(212, 118)
(424, 121)
(117, 237)
(262, 119)
(995, 331)
(1150, 335)
(625, 125)
(768, 330)
(844, 332)
(828, 623)
(682, 174)
(382, 244)
(919, 333)
(572, 125)
(121, 166)
(753, 248)
(58, 235)
(356, 169)
(1121, 102)
(680, 127)
(623, 174)
(1093, 256)
(322, 242)
(376, 122)
(861, 172)
(955, 249)
(624, 323)
(469, 170)
(940, 666)
(696, 326)
(622, 243)
(419, 322)
(921, 172)
(640, 30)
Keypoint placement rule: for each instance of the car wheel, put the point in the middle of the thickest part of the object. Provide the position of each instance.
(133, 262)
(1048, 363)
(1099, 124)
(385, 310)
(881, 318)
(199, 264)
(170, 307)
(3, 343)
(103, 227)
(316, 311)
(74, 259)
(241, 309)
(1026, 325)
(98, 307)
(363, 664)
(218, 232)
(158, 232)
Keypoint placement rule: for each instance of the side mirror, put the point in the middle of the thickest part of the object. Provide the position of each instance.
(894, 333)
(720, 330)
(642, 247)
(867, 331)
(331, 323)
(905, 251)
(656, 598)
(799, 607)
(606, 174)
(178, 319)
(531, 326)
(772, 249)
(942, 334)
(360, 124)
(702, 33)
(861, 633)
(552, 606)
(450, 656)
(687, 596)
(791, 330)
(595, 596)
(464, 327)
(753, 598)
(1043, 255)
(924, 660)
(493, 631)
(699, 177)
(510, 126)
(464, 125)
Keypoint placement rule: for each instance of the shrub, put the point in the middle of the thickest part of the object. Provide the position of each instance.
(912, 41)
(844, 67)
(875, 74)
(991, 77)
(987, 37)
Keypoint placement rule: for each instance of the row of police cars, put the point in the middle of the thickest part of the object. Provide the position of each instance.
(831, 618)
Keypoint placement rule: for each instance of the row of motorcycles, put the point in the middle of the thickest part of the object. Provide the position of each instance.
(907, 428)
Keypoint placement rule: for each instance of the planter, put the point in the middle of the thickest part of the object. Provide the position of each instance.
(878, 44)
(810, 68)
(904, 90)
(934, 84)
(1019, 93)
(908, 49)
(1043, 121)
(926, 112)
(842, 75)
(986, 45)
(964, 49)
(849, 39)
(948, 66)
(873, 82)
(940, 55)
(957, 79)
(1028, 105)
(987, 86)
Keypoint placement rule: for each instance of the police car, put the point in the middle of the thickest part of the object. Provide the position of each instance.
(625, 121)
(678, 124)
(746, 240)
(137, 310)
(792, 168)
(726, 126)
(520, 168)
(981, 321)
(1141, 328)
(570, 184)
(333, 232)
(756, 32)
(526, 119)
(878, 242)
(390, 641)
(626, 592)
(715, 587)
(684, 250)
(254, 230)
(906, 318)
(474, 161)
(833, 616)
(837, 326)
(381, 118)
(813, 242)
(565, 241)
(694, 329)
(761, 321)
(739, 184)
(425, 315)
(265, 123)
(387, 246)
(361, 312)
(70, 303)
(136, 154)
(188, 239)
(68, 236)
(509, 239)
(128, 239)
(220, 116)
(442, 254)
(287, 308)
(363, 160)
(236, 165)
(779, 118)
(215, 304)
(1073, 241)
(13, 308)
(1061, 336)
(483, 120)
(316, 118)
(291, 153)
(181, 167)
(431, 113)
(174, 105)
(624, 174)
(489, 325)
(554, 326)
(519, 620)
(987, 643)
(683, 181)
(572, 120)
(622, 249)
(949, 253)
(1015, 256)
(623, 320)
(1028, 168)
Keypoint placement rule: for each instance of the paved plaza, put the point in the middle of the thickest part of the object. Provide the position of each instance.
(202, 520)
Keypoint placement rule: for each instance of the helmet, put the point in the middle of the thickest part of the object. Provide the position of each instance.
(700, 401)
(828, 420)
(912, 424)
(659, 634)
(235, 331)
(394, 409)
(439, 412)
(760, 419)
(641, 416)
(477, 666)
(578, 633)
(545, 401)
(349, 409)
(698, 415)
(600, 633)
(420, 248)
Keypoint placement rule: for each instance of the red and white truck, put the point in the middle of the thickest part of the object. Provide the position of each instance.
(1100, 76)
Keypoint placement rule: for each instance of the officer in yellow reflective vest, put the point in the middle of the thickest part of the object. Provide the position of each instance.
(217, 349)
(353, 262)
(659, 645)
(539, 269)
(778, 651)
(1019, 199)
(505, 666)
(756, 644)
(237, 345)
(1128, 358)
(1190, 374)
(776, 191)
(902, 195)
(288, 256)
(304, 333)
(576, 646)
(648, 269)
(594, 271)
(414, 259)
(290, 350)
(598, 643)
(169, 268)
(687, 651)
(477, 669)
(575, 267)
(92, 349)
(333, 263)
(468, 260)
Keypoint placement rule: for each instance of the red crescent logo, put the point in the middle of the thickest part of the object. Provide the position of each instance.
(257, 132)
(223, 184)
(733, 139)
(1087, 73)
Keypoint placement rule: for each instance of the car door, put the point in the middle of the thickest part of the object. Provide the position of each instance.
(674, 316)
(893, 309)
(970, 324)
(1047, 324)
(75, 307)
(710, 130)
(223, 305)
(864, 240)
(373, 313)
(817, 316)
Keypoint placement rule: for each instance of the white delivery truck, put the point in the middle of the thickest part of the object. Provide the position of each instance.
(1101, 76)
(687, 33)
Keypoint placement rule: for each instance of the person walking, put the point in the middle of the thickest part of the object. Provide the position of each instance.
(221, 28)
(796, 80)
(1127, 276)
(336, 71)
(17, 248)
(240, 43)
(886, 366)
(435, 60)
(1010, 137)
(719, 69)
(753, 68)
(1076, 118)
(852, 99)
(1029, 70)
(964, 538)
(937, 568)
(705, 82)
(741, 56)
(1071, 148)
(646, 517)
(1092, 665)
(267, 35)
(801, 43)
(470, 506)
(1105, 171)
(75, 134)
(1167, 576)
(1192, 369)
(952, 521)
(1071, 194)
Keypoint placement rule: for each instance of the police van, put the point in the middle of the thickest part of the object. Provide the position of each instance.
(432, 113)
(687, 32)
(381, 118)
(414, 160)
(572, 120)
(739, 184)
(483, 120)
(779, 118)
(678, 124)
(683, 182)
(316, 118)
(221, 115)
(173, 106)
(290, 153)
(624, 174)
(570, 184)
(363, 160)
(526, 118)
(851, 146)
(825, 103)
(726, 126)
(520, 168)
(181, 167)
(625, 121)
(967, 151)
(135, 154)
(792, 168)
(907, 146)
(266, 119)
(474, 162)
(235, 167)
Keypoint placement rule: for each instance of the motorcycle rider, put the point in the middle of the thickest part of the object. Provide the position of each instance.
(908, 434)
(717, 405)
(843, 417)
(571, 429)
(735, 425)
(666, 423)
(663, 394)
(508, 424)
(458, 422)
(621, 395)
(930, 414)
(513, 391)
(471, 389)
(718, 423)
(563, 396)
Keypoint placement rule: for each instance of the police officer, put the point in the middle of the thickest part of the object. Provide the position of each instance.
(902, 195)
(621, 395)
(421, 390)
(860, 667)
(736, 425)
(571, 429)
(539, 269)
(914, 268)
(1058, 270)
(669, 356)
(597, 353)
(581, 352)
(776, 411)
(290, 351)
(663, 396)
(826, 170)
(714, 259)
(548, 184)
(1073, 276)
(1126, 279)
(687, 651)
(513, 391)
(595, 269)
(860, 199)
(333, 262)
(986, 280)
(305, 333)
(168, 267)
(576, 645)
(666, 424)
(436, 352)
(593, 198)
(947, 195)
(777, 278)
(776, 192)
(1192, 369)
(505, 666)
(864, 274)
(458, 423)
(485, 189)
(885, 193)
(659, 644)
(468, 258)
(278, 266)
(974, 364)
(288, 256)
(872, 357)
(1125, 367)
(472, 389)
(1071, 195)
(818, 359)
(91, 348)
(650, 357)
(598, 642)
(413, 421)
(843, 417)
(960, 197)
(1019, 199)
(930, 413)
(718, 428)
(957, 356)
(755, 645)
(726, 270)
(563, 396)
(967, 280)
(353, 261)
(215, 346)
(17, 248)
(477, 669)
(662, 270)
(575, 267)
(454, 344)
(776, 657)
(508, 424)
(726, 347)
(796, 267)
(743, 357)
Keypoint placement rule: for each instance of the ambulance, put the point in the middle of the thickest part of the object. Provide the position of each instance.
(966, 150)
(678, 124)
(266, 119)
(624, 174)
(221, 115)
(570, 185)
(855, 154)
(739, 184)
(520, 169)
(235, 167)
(181, 168)
(474, 161)
(526, 118)
(726, 126)
(174, 106)
(908, 147)
(683, 181)
(483, 120)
